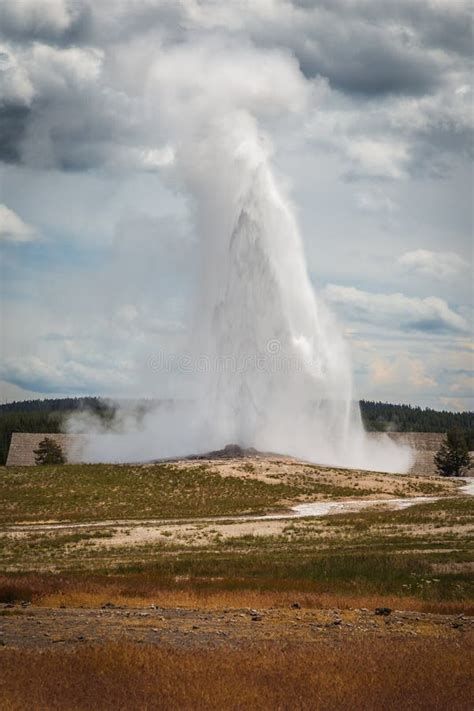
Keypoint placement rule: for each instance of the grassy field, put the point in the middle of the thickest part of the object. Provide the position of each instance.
(424, 552)
(417, 560)
(89, 492)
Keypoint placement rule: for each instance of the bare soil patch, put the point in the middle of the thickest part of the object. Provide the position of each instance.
(38, 627)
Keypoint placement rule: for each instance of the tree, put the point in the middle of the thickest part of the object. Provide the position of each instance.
(452, 458)
(49, 452)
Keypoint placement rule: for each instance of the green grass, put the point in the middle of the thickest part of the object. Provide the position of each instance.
(452, 511)
(92, 492)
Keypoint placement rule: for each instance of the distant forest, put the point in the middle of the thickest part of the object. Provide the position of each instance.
(49, 415)
(380, 416)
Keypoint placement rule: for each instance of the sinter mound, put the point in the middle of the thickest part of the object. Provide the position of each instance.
(230, 451)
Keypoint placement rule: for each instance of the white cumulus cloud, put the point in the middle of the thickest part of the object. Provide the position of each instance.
(441, 265)
(395, 310)
(401, 370)
(13, 228)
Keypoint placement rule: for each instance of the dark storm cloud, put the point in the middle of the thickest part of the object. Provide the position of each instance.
(371, 68)
(13, 123)
(368, 50)
(61, 23)
(438, 25)
(373, 48)
(452, 33)
(441, 25)
(58, 111)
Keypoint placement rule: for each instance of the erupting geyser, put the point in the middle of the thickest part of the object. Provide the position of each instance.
(277, 370)
(269, 366)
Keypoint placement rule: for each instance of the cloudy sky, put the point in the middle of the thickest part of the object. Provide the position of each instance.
(368, 106)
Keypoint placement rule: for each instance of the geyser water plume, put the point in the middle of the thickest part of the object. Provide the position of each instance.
(268, 364)
(279, 374)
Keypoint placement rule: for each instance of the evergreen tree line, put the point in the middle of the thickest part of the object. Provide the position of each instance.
(380, 416)
(62, 404)
(49, 415)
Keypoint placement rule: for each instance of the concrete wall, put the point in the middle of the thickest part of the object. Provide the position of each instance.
(23, 445)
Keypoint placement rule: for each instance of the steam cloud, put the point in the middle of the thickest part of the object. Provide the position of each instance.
(270, 368)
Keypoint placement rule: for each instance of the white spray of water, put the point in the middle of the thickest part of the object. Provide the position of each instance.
(269, 364)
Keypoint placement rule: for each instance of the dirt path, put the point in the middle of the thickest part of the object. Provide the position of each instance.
(44, 627)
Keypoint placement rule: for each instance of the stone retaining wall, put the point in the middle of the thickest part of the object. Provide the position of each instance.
(23, 444)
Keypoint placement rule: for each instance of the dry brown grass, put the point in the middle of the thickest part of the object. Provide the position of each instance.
(140, 591)
(215, 600)
(370, 674)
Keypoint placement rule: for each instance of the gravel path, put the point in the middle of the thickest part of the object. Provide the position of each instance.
(43, 627)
